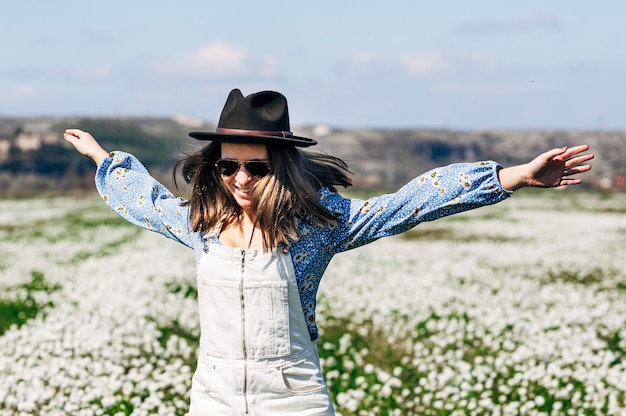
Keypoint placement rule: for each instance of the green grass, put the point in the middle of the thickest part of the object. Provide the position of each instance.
(70, 226)
(186, 289)
(586, 278)
(106, 249)
(17, 311)
(430, 233)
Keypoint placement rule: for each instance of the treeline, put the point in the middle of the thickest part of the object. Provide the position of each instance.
(382, 159)
(53, 166)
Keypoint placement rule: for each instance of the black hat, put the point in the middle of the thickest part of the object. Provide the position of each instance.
(262, 117)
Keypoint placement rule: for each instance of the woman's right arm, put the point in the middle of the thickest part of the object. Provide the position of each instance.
(128, 189)
(86, 145)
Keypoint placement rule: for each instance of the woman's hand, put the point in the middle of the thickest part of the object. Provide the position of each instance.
(86, 145)
(550, 169)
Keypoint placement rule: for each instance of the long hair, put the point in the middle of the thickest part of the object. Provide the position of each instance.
(282, 199)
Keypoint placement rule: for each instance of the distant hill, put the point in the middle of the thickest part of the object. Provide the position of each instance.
(35, 158)
(389, 158)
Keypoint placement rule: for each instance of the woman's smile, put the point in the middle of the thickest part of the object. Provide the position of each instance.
(242, 183)
(245, 192)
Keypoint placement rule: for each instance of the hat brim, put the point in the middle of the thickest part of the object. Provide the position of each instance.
(254, 139)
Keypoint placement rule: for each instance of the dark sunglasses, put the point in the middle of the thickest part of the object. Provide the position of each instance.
(257, 168)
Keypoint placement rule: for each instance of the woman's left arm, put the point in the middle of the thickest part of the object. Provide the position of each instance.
(549, 169)
(450, 190)
(438, 193)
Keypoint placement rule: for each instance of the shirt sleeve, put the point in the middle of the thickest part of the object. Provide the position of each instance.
(438, 193)
(126, 186)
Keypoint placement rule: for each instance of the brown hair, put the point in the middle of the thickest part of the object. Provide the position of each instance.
(286, 196)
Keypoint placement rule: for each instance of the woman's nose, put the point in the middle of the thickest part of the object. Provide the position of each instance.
(242, 175)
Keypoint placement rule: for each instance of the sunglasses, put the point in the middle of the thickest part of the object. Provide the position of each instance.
(257, 168)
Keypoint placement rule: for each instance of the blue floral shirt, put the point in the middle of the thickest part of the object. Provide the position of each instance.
(127, 187)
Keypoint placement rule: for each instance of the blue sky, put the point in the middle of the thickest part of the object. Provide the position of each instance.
(372, 64)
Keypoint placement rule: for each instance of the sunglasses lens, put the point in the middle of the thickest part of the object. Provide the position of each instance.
(227, 167)
(258, 169)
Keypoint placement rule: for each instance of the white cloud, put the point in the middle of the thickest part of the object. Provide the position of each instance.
(269, 68)
(22, 92)
(98, 73)
(543, 20)
(423, 65)
(365, 57)
(367, 64)
(23, 98)
(426, 65)
(217, 60)
(433, 64)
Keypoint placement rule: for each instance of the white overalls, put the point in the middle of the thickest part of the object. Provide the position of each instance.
(256, 354)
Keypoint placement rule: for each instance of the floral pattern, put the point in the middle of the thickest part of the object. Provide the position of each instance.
(127, 187)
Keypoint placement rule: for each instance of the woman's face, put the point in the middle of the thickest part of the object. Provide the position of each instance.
(241, 183)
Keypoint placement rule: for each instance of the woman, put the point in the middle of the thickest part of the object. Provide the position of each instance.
(265, 220)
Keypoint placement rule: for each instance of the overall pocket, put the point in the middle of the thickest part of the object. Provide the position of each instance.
(266, 306)
(303, 377)
(255, 317)
(219, 303)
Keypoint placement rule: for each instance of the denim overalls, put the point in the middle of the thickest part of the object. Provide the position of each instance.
(256, 354)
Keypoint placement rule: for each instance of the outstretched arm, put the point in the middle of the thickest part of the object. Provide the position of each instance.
(86, 145)
(550, 169)
(127, 187)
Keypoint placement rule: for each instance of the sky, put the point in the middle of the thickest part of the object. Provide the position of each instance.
(555, 64)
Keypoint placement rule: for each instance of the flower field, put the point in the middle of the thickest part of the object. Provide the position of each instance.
(514, 309)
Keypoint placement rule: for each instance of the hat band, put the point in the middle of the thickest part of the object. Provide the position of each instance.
(254, 132)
